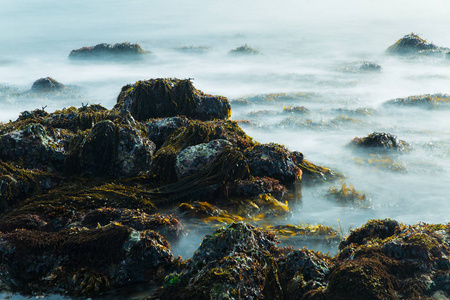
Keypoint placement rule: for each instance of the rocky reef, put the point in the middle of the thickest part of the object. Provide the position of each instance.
(93, 199)
(108, 51)
(244, 50)
(380, 140)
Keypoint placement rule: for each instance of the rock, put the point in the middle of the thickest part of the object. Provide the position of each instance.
(197, 158)
(367, 66)
(274, 161)
(107, 51)
(158, 130)
(244, 50)
(82, 261)
(157, 98)
(33, 146)
(381, 141)
(413, 44)
(428, 101)
(109, 149)
(255, 187)
(47, 84)
(234, 262)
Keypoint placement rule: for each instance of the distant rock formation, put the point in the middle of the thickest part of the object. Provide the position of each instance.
(414, 44)
(244, 50)
(108, 51)
(46, 84)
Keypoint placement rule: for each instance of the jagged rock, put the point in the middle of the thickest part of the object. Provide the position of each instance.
(161, 97)
(46, 84)
(197, 158)
(244, 50)
(413, 44)
(428, 101)
(108, 50)
(274, 161)
(33, 146)
(109, 149)
(382, 141)
(81, 261)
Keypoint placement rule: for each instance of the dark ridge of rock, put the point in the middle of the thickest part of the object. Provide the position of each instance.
(428, 101)
(381, 141)
(82, 261)
(110, 150)
(46, 84)
(156, 98)
(413, 44)
(244, 50)
(108, 50)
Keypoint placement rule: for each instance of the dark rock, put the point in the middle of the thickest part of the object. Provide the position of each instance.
(195, 159)
(367, 66)
(255, 187)
(381, 141)
(158, 130)
(413, 44)
(274, 161)
(108, 50)
(109, 149)
(157, 98)
(82, 262)
(33, 146)
(47, 84)
(244, 50)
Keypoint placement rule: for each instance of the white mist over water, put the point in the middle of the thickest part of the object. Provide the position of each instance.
(306, 46)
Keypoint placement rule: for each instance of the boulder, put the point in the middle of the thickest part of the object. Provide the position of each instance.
(158, 130)
(108, 51)
(413, 44)
(381, 141)
(46, 84)
(156, 98)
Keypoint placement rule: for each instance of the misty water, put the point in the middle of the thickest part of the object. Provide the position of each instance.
(310, 53)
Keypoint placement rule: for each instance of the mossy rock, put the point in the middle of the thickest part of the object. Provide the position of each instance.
(169, 97)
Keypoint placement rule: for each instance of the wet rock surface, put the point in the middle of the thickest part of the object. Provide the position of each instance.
(381, 140)
(414, 44)
(46, 84)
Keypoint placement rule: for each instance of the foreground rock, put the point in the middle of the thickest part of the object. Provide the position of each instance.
(413, 44)
(108, 51)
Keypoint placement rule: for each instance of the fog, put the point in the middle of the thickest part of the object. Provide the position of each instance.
(310, 47)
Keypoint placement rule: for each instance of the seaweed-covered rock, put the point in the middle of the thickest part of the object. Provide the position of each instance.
(425, 101)
(46, 84)
(80, 261)
(168, 97)
(412, 44)
(234, 262)
(109, 149)
(255, 187)
(275, 161)
(158, 130)
(381, 141)
(244, 50)
(197, 158)
(34, 147)
(108, 50)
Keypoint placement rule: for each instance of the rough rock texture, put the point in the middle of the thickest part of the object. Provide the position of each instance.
(158, 130)
(275, 161)
(413, 44)
(197, 158)
(46, 84)
(109, 149)
(382, 141)
(81, 261)
(161, 97)
(108, 50)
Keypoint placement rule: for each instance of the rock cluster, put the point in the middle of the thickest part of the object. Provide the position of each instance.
(108, 50)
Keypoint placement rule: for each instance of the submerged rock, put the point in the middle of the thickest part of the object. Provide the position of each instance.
(47, 84)
(382, 141)
(429, 101)
(413, 44)
(108, 50)
(244, 50)
(161, 97)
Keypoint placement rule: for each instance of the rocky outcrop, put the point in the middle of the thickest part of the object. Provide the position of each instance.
(47, 84)
(161, 97)
(244, 50)
(108, 51)
(427, 101)
(381, 140)
(413, 44)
